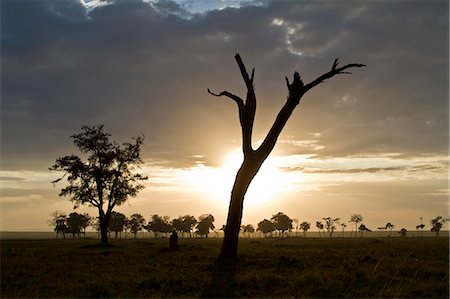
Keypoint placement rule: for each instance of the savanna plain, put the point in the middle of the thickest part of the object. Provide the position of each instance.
(267, 267)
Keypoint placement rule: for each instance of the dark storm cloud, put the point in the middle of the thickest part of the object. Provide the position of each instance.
(142, 68)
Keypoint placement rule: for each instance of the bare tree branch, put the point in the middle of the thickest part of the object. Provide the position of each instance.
(296, 91)
(250, 106)
(248, 81)
(334, 71)
(238, 100)
(246, 110)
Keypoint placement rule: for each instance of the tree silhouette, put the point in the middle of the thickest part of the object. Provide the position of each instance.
(320, 226)
(420, 226)
(58, 221)
(189, 223)
(305, 226)
(390, 227)
(249, 229)
(266, 226)
(297, 223)
(135, 224)
(356, 218)
(403, 232)
(282, 222)
(77, 224)
(106, 179)
(117, 223)
(437, 224)
(330, 224)
(343, 226)
(178, 225)
(254, 158)
(381, 229)
(158, 224)
(204, 225)
(362, 228)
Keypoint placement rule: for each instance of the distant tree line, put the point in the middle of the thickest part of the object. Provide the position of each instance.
(75, 225)
(279, 225)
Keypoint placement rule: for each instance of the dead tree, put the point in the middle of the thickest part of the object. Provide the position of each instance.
(254, 158)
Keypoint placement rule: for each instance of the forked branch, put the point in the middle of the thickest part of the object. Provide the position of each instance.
(238, 100)
(246, 110)
(296, 90)
(335, 70)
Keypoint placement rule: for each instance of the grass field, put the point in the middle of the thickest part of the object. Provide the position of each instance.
(295, 267)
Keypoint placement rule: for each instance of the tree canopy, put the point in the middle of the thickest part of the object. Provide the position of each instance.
(266, 226)
(205, 223)
(282, 222)
(159, 224)
(117, 222)
(330, 224)
(106, 178)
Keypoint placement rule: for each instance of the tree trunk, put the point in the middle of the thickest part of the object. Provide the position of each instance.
(104, 224)
(245, 175)
(253, 159)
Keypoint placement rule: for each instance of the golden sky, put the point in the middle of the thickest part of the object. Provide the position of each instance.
(373, 143)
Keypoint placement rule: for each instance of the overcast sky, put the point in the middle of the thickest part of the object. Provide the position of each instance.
(374, 142)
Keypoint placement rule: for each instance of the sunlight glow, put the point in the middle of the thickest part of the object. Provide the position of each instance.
(217, 182)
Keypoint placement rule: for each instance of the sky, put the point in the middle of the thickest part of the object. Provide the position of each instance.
(373, 143)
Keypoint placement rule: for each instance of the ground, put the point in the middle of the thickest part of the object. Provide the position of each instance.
(290, 267)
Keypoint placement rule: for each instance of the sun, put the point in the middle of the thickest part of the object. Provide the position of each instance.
(269, 183)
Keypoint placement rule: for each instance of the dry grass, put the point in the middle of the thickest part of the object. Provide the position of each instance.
(296, 267)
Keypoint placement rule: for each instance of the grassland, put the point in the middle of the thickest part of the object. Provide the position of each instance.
(295, 267)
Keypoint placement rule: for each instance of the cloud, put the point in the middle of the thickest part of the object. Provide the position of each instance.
(355, 170)
(16, 179)
(144, 66)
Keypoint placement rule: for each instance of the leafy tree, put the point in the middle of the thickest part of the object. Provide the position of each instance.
(381, 228)
(297, 223)
(330, 224)
(205, 223)
(189, 224)
(403, 232)
(166, 227)
(184, 224)
(437, 224)
(362, 228)
(118, 223)
(266, 227)
(320, 227)
(61, 228)
(420, 227)
(390, 227)
(305, 226)
(282, 222)
(356, 218)
(249, 229)
(159, 224)
(343, 226)
(58, 221)
(177, 225)
(254, 158)
(106, 179)
(136, 224)
(77, 223)
(85, 221)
